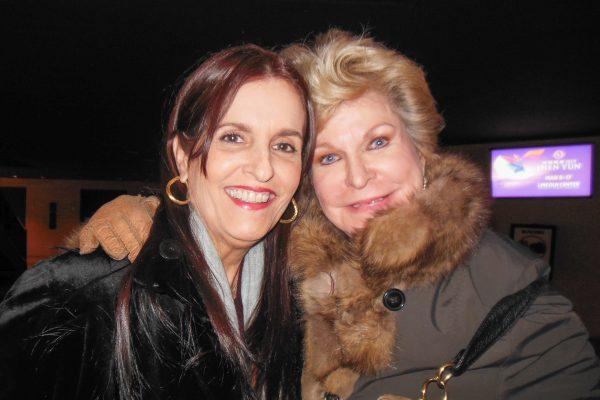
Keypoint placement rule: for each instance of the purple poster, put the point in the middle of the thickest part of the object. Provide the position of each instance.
(551, 171)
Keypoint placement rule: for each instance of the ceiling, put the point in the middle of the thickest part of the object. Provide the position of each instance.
(84, 83)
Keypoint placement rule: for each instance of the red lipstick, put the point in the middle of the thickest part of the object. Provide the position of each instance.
(252, 206)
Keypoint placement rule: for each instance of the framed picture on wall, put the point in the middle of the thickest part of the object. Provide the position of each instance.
(538, 238)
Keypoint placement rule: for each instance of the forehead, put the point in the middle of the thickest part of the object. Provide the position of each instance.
(267, 101)
(358, 116)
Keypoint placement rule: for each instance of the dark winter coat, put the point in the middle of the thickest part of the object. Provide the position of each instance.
(57, 328)
(450, 271)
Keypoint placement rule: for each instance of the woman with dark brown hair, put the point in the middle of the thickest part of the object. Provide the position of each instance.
(206, 310)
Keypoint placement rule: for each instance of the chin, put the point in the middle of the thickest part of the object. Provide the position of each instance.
(357, 228)
(250, 232)
(352, 229)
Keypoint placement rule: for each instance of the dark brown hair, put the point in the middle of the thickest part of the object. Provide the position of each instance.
(264, 359)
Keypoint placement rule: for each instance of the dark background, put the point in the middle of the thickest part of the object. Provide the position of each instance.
(84, 82)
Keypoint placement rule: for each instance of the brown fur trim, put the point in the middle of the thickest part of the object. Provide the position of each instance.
(414, 244)
(342, 279)
(421, 242)
(316, 243)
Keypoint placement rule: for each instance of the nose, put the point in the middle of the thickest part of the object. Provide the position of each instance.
(260, 166)
(358, 173)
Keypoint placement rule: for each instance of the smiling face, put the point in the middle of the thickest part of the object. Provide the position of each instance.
(364, 162)
(254, 164)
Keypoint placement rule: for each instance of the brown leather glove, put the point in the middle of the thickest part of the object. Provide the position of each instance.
(120, 226)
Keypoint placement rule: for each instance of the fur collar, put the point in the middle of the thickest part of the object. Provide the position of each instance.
(348, 331)
(411, 245)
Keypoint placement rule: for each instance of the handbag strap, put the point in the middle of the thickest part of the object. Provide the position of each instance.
(499, 320)
(503, 315)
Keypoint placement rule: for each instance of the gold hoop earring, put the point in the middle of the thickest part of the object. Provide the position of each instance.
(289, 221)
(170, 193)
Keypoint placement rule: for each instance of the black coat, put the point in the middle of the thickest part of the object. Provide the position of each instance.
(57, 328)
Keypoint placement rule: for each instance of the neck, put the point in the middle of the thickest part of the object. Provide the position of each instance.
(232, 259)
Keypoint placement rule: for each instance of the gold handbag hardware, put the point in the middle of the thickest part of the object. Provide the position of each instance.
(508, 310)
(443, 376)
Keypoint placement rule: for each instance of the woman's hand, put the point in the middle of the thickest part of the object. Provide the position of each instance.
(121, 227)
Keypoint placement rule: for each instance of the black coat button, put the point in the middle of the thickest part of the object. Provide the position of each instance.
(170, 249)
(394, 299)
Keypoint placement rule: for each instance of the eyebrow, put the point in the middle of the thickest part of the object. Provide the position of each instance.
(238, 125)
(291, 133)
(371, 129)
(324, 145)
(246, 128)
(368, 132)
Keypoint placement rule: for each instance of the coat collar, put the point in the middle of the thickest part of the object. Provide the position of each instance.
(414, 244)
(162, 260)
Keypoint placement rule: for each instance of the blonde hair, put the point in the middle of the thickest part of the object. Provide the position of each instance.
(339, 67)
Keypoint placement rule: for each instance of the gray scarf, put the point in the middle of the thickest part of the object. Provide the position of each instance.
(252, 276)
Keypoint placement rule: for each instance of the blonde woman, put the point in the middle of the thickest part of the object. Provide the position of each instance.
(395, 264)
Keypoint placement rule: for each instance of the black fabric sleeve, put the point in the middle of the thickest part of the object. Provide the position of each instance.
(42, 332)
(24, 315)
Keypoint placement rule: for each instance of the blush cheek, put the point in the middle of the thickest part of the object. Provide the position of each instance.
(324, 196)
(408, 183)
(403, 196)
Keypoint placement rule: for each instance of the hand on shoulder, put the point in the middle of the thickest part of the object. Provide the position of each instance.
(121, 227)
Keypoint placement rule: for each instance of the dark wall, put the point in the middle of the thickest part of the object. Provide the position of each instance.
(87, 80)
(576, 269)
(13, 236)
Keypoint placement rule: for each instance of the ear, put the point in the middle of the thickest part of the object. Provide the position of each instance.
(181, 159)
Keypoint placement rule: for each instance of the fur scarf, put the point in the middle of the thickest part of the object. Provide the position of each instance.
(348, 331)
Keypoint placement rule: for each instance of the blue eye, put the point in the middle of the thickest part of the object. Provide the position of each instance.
(378, 143)
(231, 138)
(329, 159)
